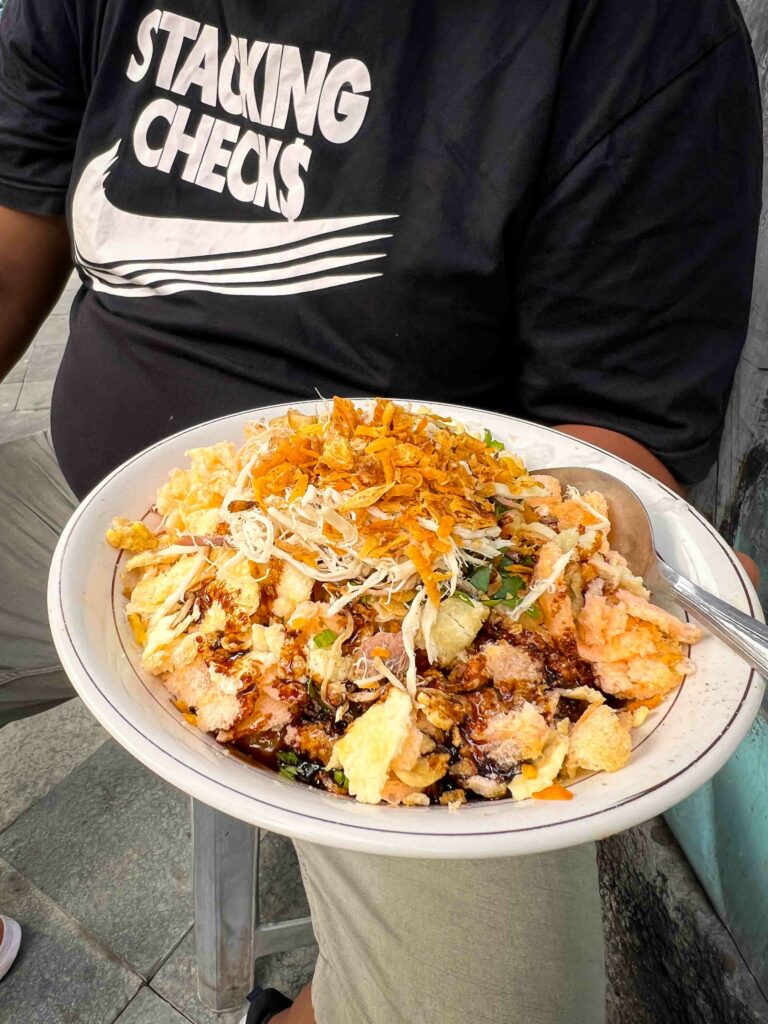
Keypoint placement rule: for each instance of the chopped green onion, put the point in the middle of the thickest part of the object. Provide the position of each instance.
(504, 602)
(463, 597)
(292, 767)
(481, 578)
(340, 778)
(507, 595)
(324, 639)
(510, 587)
(499, 508)
(534, 612)
(490, 443)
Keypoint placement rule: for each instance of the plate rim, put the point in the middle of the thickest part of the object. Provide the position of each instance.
(280, 818)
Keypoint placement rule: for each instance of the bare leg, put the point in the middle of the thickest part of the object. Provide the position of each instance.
(301, 1012)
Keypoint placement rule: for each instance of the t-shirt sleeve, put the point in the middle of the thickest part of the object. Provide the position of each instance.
(634, 279)
(41, 104)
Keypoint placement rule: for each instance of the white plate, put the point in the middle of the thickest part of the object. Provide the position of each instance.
(682, 744)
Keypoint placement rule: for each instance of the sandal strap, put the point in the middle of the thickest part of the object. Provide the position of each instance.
(265, 1004)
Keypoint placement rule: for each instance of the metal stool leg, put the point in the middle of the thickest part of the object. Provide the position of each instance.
(225, 862)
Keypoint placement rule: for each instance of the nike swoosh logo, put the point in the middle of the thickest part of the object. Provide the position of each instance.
(135, 255)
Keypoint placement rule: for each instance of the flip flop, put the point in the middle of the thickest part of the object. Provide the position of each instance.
(265, 1004)
(9, 947)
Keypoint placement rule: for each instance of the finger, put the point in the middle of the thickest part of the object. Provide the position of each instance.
(751, 568)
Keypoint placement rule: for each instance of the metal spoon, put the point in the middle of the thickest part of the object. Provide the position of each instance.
(632, 537)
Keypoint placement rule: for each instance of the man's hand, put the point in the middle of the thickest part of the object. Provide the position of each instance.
(750, 567)
(625, 448)
(638, 455)
(35, 262)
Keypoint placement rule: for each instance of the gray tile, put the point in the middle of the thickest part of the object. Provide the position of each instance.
(62, 974)
(65, 301)
(44, 363)
(37, 753)
(35, 394)
(64, 304)
(281, 893)
(16, 376)
(19, 424)
(55, 330)
(9, 396)
(177, 983)
(148, 1008)
(110, 844)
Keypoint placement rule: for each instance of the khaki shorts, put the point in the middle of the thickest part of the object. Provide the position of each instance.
(516, 941)
(35, 504)
(513, 941)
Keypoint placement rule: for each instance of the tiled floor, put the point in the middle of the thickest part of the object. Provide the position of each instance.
(25, 394)
(95, 858)
(95, 863)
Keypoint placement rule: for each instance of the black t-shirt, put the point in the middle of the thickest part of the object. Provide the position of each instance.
(545, 207)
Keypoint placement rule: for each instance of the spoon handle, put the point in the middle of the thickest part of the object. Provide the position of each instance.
(740, 632)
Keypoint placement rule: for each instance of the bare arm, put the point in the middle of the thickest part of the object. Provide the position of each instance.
(35, 262)
(638, 455)
(619, 444)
